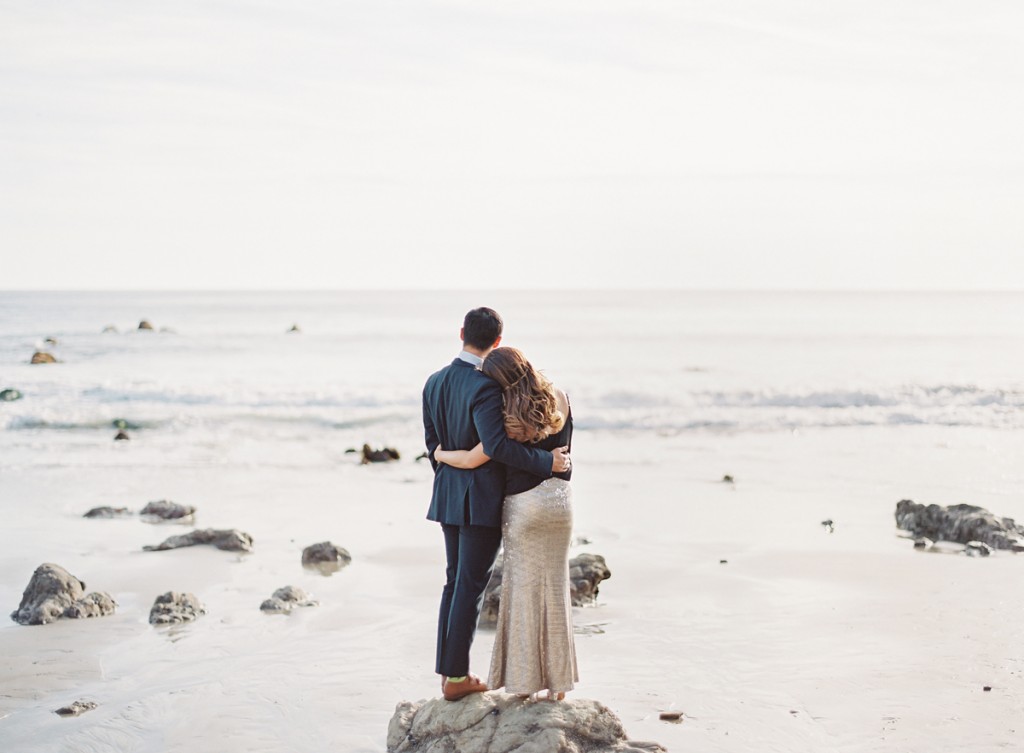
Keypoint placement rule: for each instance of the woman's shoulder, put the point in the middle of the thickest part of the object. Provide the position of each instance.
(561, 400)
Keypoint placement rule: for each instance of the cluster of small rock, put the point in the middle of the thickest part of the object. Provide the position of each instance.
(53, 593)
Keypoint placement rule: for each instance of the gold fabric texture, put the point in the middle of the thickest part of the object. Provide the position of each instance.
(533, 646)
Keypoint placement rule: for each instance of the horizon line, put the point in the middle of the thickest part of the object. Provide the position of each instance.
(400, 289)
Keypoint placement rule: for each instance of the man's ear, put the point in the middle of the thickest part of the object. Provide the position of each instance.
(496, 343)
(462, 334)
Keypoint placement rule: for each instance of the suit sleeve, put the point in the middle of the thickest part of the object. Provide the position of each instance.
(430, 432)
(490, 426)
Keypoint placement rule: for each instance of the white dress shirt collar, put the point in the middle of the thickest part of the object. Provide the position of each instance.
(471, 358)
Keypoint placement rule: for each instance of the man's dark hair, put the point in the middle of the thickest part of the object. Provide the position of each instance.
(481, 328)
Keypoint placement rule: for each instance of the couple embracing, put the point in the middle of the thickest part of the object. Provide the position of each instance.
(498, 436)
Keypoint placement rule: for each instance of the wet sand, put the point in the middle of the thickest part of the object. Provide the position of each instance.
(802, 641)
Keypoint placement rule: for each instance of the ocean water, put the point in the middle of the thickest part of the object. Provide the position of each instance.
(222, 367)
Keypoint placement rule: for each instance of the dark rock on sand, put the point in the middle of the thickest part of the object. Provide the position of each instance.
(294, 328)
(77, 708)
(351, 451)
(828, 525)
(422, 456)
(43, 357)
(145, 325)
(326, 557)
(671, 716)
(586, 571)
(727, 479)
(501, 723)
(285, 599)
(121, 436)
(174, 607)
(383, 455)
(164, 509)
(961, 524)
(55, 594)
(230, 540)
(10, 395)
(107, 512)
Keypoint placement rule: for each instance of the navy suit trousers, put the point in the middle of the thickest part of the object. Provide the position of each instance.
(471, 551)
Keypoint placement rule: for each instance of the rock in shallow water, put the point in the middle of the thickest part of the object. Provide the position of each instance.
(959, 523)
(383, 455)
(77, 708)
(586, 571)
(326, 557)
(10, 395)
(55, 594)
(174, 607)
(285, 599)
(500, 723)
(164, 509)
(108, 512)
(230, 540)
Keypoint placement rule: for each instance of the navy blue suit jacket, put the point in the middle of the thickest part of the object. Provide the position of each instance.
(461, 407)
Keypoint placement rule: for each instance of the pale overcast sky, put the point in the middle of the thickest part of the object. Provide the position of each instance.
(581, 143)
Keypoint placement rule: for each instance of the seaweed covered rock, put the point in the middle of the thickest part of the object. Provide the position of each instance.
(55, 594)
(174, 607)
(10, 395)
(231, 540)
(961, 524)
(497, 722)
(586, 571)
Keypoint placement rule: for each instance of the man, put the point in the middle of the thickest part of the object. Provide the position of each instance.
(462, 407)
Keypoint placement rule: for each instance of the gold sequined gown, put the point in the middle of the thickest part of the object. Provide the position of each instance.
(533, 646)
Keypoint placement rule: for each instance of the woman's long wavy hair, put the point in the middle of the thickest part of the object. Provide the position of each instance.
(531, 410)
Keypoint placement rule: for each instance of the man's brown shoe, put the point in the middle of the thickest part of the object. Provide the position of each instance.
(453, 691)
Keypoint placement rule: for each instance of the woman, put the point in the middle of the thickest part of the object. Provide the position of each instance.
(533, 646)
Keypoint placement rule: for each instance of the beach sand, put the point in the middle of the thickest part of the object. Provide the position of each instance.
(802, 641)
